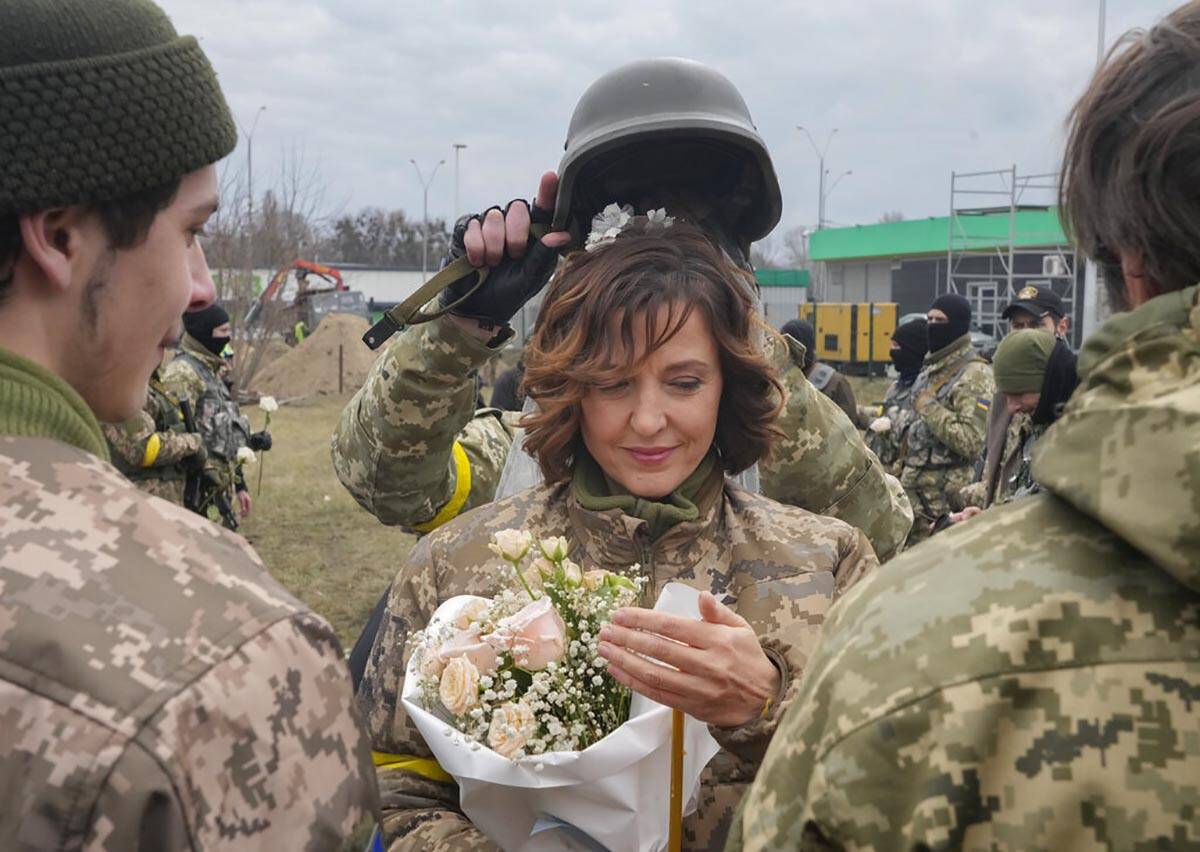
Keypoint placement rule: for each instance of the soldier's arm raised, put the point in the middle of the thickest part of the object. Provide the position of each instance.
(823, 465)
(408, 446)
(961, 423)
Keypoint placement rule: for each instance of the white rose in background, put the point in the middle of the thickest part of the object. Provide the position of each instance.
(269, 405)
(573, 572)
(511, 545)
(512, 726)
(881, 424)
(459, 689)
(245, 455)
(555, 549)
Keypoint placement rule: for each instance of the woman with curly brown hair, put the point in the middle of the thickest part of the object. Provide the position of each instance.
(652, 387)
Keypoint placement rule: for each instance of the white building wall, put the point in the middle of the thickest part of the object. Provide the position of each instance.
(859, 281)
(781, 304)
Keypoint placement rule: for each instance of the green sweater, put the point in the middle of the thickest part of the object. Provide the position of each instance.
(35, 403)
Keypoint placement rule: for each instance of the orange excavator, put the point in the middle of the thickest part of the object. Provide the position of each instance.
(318, 290)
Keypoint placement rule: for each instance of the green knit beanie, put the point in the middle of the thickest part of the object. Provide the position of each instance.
(101, 99)
(1020, 362)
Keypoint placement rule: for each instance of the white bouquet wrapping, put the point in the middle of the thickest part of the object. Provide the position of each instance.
(527, 791)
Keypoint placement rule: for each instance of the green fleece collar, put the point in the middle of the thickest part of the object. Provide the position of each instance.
(35, 403)
(595, 492)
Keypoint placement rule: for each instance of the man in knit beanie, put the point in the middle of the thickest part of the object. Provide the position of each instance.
(823, 376)
(157, 688)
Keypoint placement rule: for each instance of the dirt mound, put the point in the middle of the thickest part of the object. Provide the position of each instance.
(272, 350)
(312, 367)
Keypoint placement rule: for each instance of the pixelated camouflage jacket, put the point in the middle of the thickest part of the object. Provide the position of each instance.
(897, 407)
(148, 448)
(413, 450)
(1030, 679)
(952, 397)
(779, 566)
(155, 683)
(195, 373)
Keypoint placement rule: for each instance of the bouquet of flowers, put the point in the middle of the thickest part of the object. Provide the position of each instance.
(512, 697)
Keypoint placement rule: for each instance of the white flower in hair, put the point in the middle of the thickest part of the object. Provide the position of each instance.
(659, 219)
(607, 224)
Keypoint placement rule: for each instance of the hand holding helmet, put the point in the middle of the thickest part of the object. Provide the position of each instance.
(520, 266)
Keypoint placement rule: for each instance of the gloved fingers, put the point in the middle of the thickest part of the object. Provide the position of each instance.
(493, 236)
(516, 228)
(538, 267)
(473, 242)
(556, 239)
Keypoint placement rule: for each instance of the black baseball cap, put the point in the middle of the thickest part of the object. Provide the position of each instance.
(1038, 301)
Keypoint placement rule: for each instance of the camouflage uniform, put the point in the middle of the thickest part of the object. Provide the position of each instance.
(897, 407)
(1027, 680)
(780, 566)
(196, 373)
(413, 450)
(157, 688)
(951, 398)
(149, 448)
(1012, 477)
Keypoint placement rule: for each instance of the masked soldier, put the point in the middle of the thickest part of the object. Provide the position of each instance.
(1027, 680)
(886, 433)
(155, 450)
(822, 376)
(666, 133)
(158, 689)
(951, 398)
(200, 371)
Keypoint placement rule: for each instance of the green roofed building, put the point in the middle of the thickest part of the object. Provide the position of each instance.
(910, 262)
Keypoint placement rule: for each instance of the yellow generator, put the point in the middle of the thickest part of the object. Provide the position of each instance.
(854, 335)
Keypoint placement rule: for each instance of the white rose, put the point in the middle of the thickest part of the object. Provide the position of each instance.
(512, 726)
(459, 689)
(555, 549)
(245, 455)
(881, 424)
(268, 404)
(573, 572)
(511, 544)
(533, 578)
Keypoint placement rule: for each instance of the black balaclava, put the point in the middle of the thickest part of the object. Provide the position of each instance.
(958, 311)
(1058, 385)
(913, 340)
(200, 325)
(806, 334)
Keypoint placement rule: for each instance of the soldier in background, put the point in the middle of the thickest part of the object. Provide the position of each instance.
(886, 433)
(822, 376)
(1028, 680)
(158, 690)
(200, 371)
(155, 450)
(951, 398)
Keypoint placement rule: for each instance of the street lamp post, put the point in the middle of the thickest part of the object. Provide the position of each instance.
(458, 148)
(250, 162)
(820, 152)
(833, 186)
(425, 184)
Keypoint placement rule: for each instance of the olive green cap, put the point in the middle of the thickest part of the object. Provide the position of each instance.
(101, 99)
(1020, 362)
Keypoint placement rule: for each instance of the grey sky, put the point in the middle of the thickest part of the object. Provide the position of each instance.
(916, 88)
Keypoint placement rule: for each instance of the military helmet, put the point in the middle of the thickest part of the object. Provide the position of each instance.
(659, 123)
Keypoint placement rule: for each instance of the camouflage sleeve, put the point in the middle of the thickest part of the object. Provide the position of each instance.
(969, 495)
(410, 446)
(962, 423)
(749, 742)
(420, 802)
(139, 446)
(823, 465)
(181, 380)
(264, 750)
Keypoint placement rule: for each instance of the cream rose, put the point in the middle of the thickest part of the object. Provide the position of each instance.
(536, 635)
(459, 688)
(533, 578)
(573, 572)
(513, 724)
(469, 644)
(555, 549)
(511, 544)
(594, 579)
(470, 613)
(432, 665)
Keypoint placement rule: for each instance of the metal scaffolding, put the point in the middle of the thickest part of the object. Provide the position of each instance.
(989, 265)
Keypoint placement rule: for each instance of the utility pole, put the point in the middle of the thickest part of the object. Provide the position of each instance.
(250, 163)
(1100, 42)
(425, 184)
(458, 149)
(820, 152)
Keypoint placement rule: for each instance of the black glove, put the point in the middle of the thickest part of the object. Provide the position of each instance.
(511, 283)
(260, 442)
(196, 461)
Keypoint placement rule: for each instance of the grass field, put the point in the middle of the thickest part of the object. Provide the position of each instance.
(311, 534)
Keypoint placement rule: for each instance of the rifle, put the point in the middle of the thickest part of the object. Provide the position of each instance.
(193, 483)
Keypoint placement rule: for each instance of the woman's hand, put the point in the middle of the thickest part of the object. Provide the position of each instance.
(719, 673)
